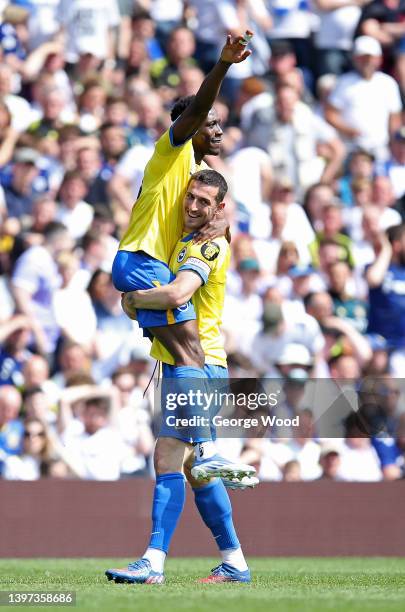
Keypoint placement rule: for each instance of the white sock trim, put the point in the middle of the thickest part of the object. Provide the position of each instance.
(156, 558)
(234, 557)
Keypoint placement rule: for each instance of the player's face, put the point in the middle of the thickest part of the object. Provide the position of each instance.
(207, 140)
(200, 205)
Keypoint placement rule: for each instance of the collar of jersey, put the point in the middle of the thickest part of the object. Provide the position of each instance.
(188, 237)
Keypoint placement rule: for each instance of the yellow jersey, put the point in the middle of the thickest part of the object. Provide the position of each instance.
(210, 261)
(156, 220)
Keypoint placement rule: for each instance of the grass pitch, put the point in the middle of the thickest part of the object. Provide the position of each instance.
(279, 585)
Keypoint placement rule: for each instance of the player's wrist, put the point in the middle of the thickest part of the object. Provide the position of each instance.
(225, 63)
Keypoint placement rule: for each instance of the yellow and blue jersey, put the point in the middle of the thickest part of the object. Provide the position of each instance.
(157, 216)
(210, 261)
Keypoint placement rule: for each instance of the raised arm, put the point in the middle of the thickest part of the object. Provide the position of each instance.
(173, 295)
(194, 116)
(376, 272)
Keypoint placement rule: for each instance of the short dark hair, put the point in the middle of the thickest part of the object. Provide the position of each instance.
(53, 228)
(72, 175)
(180, 106)
(101, 403)
(395, 232)
(214, 178)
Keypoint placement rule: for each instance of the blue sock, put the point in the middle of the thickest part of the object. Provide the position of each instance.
(168, 503)
(215, 508)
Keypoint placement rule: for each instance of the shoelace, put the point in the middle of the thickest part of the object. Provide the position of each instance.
(140, 564)
(219, 571)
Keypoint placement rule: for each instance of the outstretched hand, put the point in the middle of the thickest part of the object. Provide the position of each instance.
(235, 50)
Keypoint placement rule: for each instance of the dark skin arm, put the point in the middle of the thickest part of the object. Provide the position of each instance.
(194, 116)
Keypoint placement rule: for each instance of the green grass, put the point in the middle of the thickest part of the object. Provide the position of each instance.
(279, 585)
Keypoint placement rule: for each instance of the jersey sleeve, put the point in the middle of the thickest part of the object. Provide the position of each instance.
(202, 259)
(166, 146)
(165, 157)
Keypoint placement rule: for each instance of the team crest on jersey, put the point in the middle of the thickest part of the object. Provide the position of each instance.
(210, 251)
(181, 255)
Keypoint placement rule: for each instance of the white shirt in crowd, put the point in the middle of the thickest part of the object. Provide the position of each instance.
(359, 464)
(21, 468)
(353, 220)
(166, 10)
(302, 329)
(246, 309)
(246, 166)
(74, 312)
(396, 173)
(98, 456)
(337, 27)
(77, 220)
(87, 24)
(277, 454)
(132, 166)
(290, 19)
(42, 22)
(215, 19)
(297, 229)
(366, 105)
(20, 111)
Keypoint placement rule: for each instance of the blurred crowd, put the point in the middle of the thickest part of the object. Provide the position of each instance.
(314, 152)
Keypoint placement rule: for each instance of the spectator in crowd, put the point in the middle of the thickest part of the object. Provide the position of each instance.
(385, 278)
(93, 446)
(179, 51)
(358, 459)
(133, 422)
(332, 226)
(75, 214)
(329, 461)
(71, 305)
(365, 105)
(396, 164)
(360, 167)
(391, 452)
(11, 428)
(293, 133)
(88, 27)
(32, 462)
(345, 305)
(383, 20)
(18, 186)
(333, 39)
(292, 471)
(14, 353)
(35, 279)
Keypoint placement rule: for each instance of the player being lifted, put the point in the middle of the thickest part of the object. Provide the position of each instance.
(201, 275)
(156, 225)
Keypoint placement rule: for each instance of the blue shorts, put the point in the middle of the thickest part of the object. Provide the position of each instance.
(203, 429)
(133, 271)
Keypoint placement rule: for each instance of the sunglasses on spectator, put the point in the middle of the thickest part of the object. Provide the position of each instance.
(34, 434)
